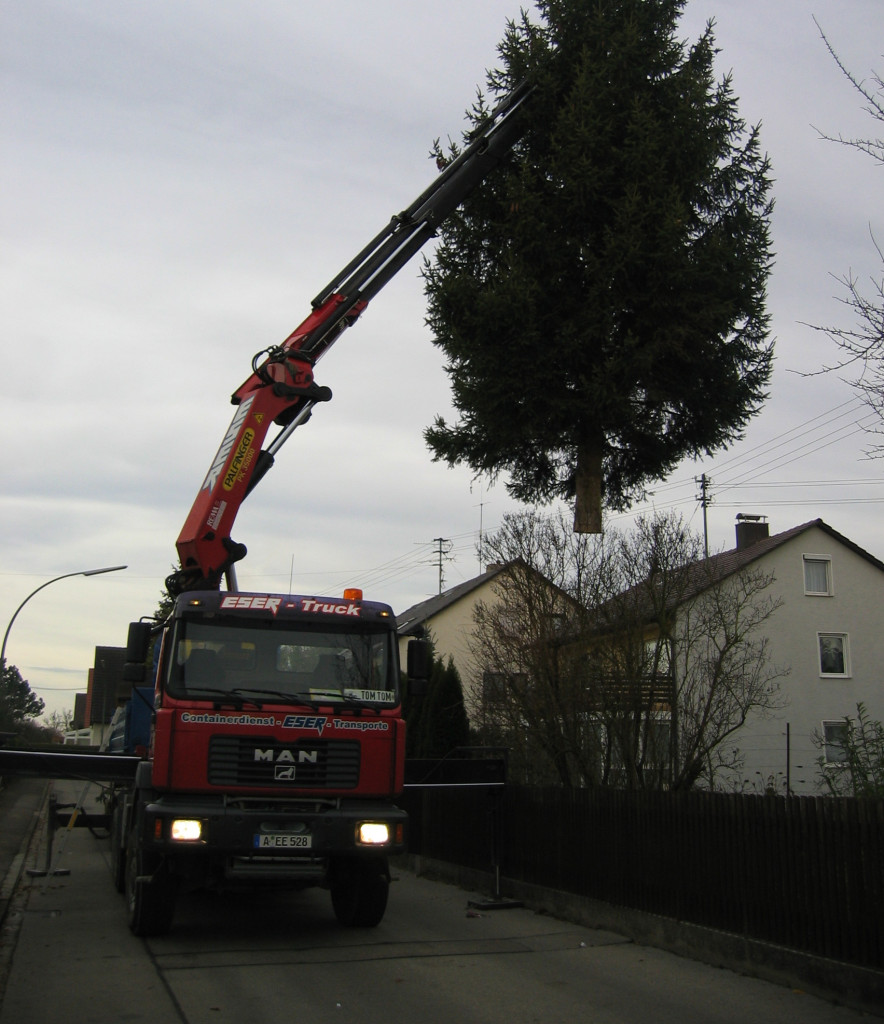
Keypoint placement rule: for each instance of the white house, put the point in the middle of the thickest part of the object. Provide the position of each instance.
(828, 630)
(447, 619)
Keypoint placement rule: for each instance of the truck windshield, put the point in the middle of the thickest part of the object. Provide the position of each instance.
(286, 665)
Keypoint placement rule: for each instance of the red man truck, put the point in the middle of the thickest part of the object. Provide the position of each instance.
(272, 742)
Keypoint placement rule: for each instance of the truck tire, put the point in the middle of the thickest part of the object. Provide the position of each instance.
(150, 892)
(359, 892)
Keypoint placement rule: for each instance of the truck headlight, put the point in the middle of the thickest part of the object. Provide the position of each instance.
(373, 833)
(186, 830)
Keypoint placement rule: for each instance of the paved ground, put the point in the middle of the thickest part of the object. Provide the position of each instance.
(69, 957)
(20, 803)
(265, 956)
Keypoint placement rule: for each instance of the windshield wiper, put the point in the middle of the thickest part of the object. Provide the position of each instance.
(303, 699)
(220, 696)
(313, 700)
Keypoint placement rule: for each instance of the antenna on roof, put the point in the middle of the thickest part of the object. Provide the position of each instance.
(481, 547)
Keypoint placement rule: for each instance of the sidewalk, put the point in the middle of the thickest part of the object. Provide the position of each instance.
(66, 933)
(21, 801)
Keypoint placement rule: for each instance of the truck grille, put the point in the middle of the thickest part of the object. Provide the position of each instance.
(312, 764)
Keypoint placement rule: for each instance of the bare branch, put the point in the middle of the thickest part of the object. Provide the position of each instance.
(862, 345)
(640, 679)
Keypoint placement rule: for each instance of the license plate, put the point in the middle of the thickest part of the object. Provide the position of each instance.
(283, 841)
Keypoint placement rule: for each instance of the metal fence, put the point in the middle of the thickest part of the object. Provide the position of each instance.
(802, 872)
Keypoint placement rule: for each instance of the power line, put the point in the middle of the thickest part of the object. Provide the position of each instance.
(743, 460)
(743, 469)
(798, 453)
(807, 501)
(736, 474)
(862, 481)
(821, 420)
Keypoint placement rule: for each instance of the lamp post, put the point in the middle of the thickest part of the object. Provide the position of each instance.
(83, 572)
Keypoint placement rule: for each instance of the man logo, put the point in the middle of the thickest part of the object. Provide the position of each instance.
(284, 755)
(285, 760)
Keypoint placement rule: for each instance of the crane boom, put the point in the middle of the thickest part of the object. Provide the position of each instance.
(282, 390)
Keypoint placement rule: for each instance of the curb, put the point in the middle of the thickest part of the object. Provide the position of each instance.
(13, 896)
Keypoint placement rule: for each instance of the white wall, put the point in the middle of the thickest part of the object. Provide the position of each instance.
(854, 607)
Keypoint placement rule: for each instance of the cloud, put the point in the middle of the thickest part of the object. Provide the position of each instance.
(181, 179)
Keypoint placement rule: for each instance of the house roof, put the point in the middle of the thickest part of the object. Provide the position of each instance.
(705, 572)
(413, 619)
(729, 562)
(701, 575)
(643, 599)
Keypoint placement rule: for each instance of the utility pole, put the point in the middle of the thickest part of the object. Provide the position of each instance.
(443, 546)
(705, 500)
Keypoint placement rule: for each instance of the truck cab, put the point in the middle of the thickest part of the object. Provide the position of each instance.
(276, 752)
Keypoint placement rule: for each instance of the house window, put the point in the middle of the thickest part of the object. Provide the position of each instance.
(657, 740)
(556, 623)
(817, 575)
(497, 687)
(834, 654)
(835, 743)
(658, 653)
(494, 687)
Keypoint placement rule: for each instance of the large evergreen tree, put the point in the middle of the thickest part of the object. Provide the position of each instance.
(600, 298)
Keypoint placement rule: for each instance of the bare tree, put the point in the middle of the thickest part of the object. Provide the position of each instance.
(626, 660)
(60, 720)
(629, 661)
(721, 670)
(532, 695)
(862, 344)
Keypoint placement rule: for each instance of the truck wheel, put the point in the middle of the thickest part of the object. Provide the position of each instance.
(359, 892)
(150, 900)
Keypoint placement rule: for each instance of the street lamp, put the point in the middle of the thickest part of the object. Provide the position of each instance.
(84, 572)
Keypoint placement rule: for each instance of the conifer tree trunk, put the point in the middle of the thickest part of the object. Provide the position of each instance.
(588, 489)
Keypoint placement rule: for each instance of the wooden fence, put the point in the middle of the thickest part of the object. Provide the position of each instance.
(804, 872)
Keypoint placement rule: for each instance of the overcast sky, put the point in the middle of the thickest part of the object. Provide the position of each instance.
(179, 179)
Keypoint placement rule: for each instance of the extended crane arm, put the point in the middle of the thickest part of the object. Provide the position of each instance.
(282, 389)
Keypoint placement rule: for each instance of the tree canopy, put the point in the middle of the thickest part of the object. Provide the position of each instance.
(600, 297)
(18, 702)
(438, 723)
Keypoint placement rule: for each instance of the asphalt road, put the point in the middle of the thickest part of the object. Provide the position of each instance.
(20, 803)
(282, 956)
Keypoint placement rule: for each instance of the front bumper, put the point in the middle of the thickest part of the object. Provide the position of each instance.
(272, 840)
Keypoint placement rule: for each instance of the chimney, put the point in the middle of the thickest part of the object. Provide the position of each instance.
(750, 530)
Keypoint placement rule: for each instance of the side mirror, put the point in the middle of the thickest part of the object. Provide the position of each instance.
(137, 647)
(419, 659)
(138, 641)
(133, 673)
